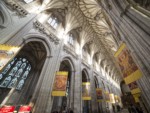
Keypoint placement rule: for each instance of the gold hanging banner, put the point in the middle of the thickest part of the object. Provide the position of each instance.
(116, 99)
(86, 91)
(127, 65)
(7, 53)
(107, 98)
(99, 94)
(60, 83)
(112, 98)
(136, 97)
(134, 88)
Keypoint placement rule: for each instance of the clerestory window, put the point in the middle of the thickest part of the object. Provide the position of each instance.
(53, 22)
(71, 41)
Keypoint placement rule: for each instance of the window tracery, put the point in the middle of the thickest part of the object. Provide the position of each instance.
(15, 74)
(53, 21)
(71, 41)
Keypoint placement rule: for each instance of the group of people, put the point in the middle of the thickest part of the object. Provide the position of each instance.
(64, 111)
(135, 109)
(131, 108)
(116, 109)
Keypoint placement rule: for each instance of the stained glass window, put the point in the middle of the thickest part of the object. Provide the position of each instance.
(15, 73)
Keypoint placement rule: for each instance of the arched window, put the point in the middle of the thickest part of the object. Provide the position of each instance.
(71, 41)
(53, 22)
(28, 1)
(15, 73)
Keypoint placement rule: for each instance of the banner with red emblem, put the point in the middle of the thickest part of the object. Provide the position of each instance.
(25, 109)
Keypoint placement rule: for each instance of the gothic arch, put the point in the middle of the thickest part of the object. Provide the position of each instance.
(38, 38)
(35, 52)
(66, 64)
(85, 76)
(96, 82)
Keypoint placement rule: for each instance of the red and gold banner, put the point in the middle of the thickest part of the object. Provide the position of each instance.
(134, 88)
(136, 97)
(99, 94)
(127, 65)
(112, 98)
(60, 83)
(24, 109)
(107, 98)
(6, 54)
(86, 91)
(7, 109)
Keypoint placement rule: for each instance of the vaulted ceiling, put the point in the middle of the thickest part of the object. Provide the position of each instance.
(93, 24)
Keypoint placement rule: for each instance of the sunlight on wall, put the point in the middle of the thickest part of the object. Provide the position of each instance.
(107, 76)
(103, 73)
(82, 42)
(34, 9)
(46, 2)
(89, 59)
(97, 67)
(65, 39)
(78, 49)
(60, 33)
(67, 28)
(43, 17)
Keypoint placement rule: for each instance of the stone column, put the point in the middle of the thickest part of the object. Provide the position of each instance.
(77, 99)
(93, 93)
(45, 100)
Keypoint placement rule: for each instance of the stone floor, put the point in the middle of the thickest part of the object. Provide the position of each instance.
(124, 111)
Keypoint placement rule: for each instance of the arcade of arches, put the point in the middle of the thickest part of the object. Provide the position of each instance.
(79, 37)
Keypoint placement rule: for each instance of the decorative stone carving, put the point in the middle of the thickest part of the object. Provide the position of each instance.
(16, 7)
(69, 51)
(45, 31)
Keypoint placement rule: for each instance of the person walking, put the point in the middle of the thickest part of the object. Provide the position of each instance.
(114, 111)
(139, 109)
(70, 110)
(129, 109)
(133, 109)
(118, 108)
